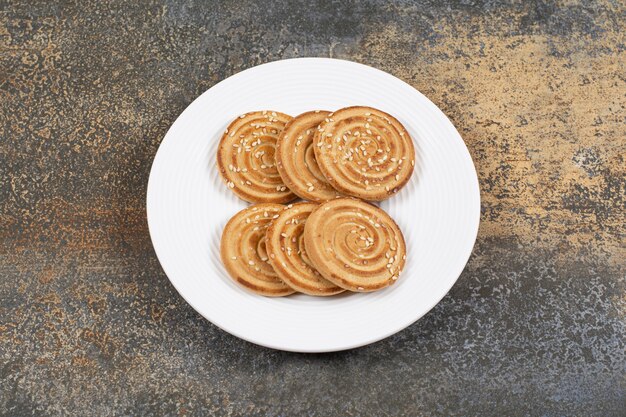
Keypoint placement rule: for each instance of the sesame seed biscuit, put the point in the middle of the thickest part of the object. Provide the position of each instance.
(245, 157)
(355, 245)
(364, 152)
(244, 254)
(288, 256)
(295, 158)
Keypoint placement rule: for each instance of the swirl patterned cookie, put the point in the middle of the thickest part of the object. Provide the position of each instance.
(244, 253)
(246, 161)
(295, 158)
(355, 245)
(288, 256)
(364, 152)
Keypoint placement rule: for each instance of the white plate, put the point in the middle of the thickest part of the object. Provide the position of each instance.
(188, 206)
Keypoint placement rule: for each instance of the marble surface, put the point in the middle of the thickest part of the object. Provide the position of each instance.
(89, 324)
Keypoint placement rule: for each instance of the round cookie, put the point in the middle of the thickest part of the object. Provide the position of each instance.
(364, 152)
(245, 157)
(295, 158)
(355, 244)
(244, 253)
(287, 255)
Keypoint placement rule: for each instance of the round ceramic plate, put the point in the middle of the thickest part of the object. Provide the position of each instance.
(188, 206)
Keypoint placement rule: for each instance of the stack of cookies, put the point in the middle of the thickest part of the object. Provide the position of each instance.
(334, 241)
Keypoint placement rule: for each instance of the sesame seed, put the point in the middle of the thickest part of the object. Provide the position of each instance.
(251, 262)
(234, 258)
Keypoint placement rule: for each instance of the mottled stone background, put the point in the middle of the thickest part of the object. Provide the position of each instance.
(89, 324)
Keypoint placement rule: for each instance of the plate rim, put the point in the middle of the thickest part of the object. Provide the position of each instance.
(476, 220)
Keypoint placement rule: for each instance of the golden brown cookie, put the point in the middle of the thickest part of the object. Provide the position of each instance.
(364, 152)
(295, 158)
(244, 254)
(245, 157)
(288, 257)
(355, 244)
